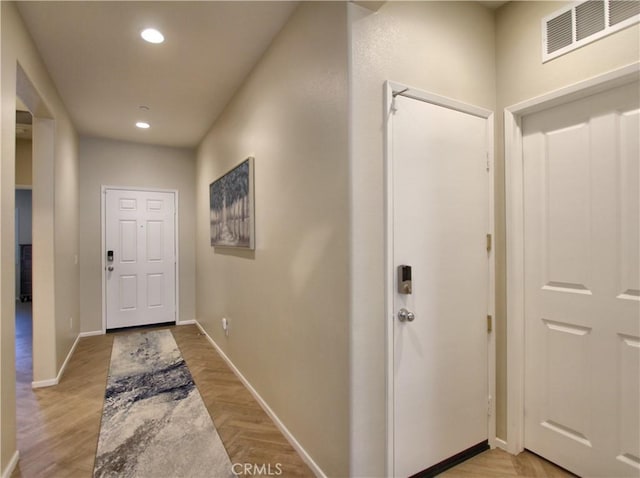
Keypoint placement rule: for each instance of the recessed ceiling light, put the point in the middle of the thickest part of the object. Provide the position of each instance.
(152, 35)
(143, 125)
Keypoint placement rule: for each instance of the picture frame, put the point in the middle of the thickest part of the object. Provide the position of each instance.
(232, 207)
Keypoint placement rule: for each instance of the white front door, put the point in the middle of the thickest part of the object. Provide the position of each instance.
(582, 283)
(140, 258)
(441, 202)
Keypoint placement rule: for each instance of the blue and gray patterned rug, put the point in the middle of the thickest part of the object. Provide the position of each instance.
(154, 422)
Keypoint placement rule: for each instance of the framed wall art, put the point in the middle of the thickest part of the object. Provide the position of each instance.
(231, 204)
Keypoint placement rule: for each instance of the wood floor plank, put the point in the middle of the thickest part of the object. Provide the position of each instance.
(498, 463)
(58, 426)
(246, 430)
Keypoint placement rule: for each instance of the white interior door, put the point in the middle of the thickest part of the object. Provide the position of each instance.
(582, 283)
(140, 258)
(441, 187)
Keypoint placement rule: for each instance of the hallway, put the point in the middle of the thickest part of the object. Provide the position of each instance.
(303, 88)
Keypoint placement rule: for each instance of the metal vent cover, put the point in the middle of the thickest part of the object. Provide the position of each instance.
(621, 10)
(559, 32)
(584, 22)
(589, 19)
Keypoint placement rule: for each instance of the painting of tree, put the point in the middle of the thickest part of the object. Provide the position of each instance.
(231, 207)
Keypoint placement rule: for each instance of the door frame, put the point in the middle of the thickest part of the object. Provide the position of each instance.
(176, 245)
(514, 195)
(391, 90)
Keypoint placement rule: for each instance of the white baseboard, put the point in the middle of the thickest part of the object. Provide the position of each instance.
(285, 431)
(44, 383)
(92, 333)
(501, 444)
(55, 381)
(187, 322)
(12, 465)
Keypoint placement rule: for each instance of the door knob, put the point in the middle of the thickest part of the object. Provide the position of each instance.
(110, 268)
(405, 316)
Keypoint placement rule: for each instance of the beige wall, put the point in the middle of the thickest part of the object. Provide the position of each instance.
(23, 162)
(522, 76)
(288, 302)
(56, 297)
(106, 162)
(442, 47)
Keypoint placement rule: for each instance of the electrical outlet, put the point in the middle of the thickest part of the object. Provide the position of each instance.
(225, 326)
(71, 322)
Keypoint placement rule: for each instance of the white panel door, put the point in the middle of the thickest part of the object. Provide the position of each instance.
(582, 284)
(440, 221)
(140, 239)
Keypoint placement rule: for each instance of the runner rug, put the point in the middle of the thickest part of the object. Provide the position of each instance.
(154, 422)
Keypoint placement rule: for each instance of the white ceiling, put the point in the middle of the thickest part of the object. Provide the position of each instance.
(493, 5)
(104, 71)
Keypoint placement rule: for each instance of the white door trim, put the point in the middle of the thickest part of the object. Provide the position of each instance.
(103, 219)
(393, 89)
(515, 231)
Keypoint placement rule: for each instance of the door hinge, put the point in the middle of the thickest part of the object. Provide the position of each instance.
(489, 405)
(488, 242)
(489, 324)
(487, 156)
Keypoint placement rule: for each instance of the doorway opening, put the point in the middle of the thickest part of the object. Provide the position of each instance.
(34, 337)
(23, 242)
(42, 251)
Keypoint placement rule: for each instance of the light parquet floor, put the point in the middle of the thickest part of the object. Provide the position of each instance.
(500, 464)
(58, 426)
(247, 432)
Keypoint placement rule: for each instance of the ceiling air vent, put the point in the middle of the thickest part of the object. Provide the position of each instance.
(584, 22)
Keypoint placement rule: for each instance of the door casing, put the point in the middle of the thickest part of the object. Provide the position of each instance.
(393, 89)
(103, 213)
(515, 233)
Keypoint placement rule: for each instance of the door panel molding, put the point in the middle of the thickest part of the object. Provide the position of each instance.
(514, 177)
(391, 90)
(103, 219)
